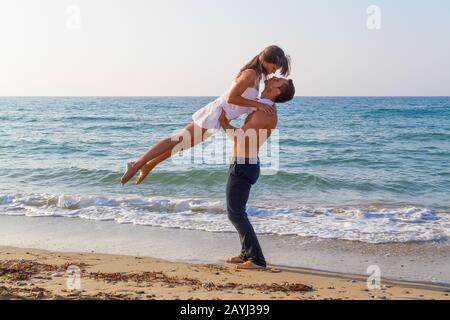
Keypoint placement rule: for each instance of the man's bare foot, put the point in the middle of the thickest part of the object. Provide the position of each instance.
(128, 173)
(145, 170)
(249, 266)
(234, 260)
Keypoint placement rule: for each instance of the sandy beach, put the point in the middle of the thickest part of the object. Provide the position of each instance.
(39, 274)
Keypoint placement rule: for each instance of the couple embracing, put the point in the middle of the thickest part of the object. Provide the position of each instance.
(241, 99)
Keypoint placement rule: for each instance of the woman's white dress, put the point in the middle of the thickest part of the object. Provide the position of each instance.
(208, 116)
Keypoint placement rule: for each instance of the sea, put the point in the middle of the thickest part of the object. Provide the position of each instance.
(365, 169)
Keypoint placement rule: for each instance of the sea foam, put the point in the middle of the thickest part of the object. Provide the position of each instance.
(381, 225)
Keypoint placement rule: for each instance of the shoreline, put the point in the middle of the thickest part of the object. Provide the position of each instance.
(424, 263)
(41, 274)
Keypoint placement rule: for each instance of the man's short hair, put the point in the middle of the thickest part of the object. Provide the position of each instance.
(287, 92)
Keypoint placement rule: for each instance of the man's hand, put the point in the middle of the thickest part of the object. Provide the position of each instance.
(266, 108)
(224, 122)
(226, 126)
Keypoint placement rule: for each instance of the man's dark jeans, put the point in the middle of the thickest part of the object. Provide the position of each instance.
(240, 181)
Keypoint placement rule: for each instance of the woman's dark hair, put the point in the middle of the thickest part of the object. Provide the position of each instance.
(272, 54)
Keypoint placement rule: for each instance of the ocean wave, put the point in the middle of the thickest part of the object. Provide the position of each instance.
(210, 177)
(382, 225)
(423, 136)
(92, 118)
(214, 177)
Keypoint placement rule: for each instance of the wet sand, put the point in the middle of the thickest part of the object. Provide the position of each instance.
(416, 262)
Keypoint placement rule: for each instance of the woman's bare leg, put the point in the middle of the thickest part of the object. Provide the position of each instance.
(145, 170)
(149, 166)
(190, 136)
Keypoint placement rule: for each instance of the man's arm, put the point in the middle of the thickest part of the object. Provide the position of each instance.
(226, 125)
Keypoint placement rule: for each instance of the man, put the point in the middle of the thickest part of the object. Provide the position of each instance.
(245, 168)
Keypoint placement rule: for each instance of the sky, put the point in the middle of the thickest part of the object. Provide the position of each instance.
(196, 47)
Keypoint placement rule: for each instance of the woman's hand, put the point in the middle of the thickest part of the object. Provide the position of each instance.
(266, 108)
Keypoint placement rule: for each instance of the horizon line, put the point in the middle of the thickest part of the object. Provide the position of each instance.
(208, 96)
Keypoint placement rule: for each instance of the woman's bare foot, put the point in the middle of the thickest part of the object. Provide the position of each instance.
(128, 173)
(234, 260)
(145, 170)
(249, 266)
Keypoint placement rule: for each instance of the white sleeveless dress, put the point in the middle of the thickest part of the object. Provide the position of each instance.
(208, 116)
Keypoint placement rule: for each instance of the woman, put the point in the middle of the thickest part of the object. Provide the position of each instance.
(240, 99)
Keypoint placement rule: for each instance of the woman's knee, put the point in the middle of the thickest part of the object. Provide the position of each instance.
(183, 139)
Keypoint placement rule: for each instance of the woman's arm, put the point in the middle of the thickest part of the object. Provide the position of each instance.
(246, 79)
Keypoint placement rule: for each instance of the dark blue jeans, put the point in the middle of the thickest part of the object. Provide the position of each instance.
(240, 181)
